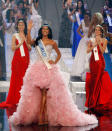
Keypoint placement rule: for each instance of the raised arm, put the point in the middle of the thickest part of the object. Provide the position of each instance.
(29, 39)
(70, 16)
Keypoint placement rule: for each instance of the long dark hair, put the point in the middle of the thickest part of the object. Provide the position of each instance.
(8, 15)
(22, 20)
(40, 36)
(82, 8)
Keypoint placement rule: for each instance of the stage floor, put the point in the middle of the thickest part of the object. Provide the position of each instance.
(78, 91)
(105, 121)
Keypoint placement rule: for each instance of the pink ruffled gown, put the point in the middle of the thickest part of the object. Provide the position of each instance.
(61, 109)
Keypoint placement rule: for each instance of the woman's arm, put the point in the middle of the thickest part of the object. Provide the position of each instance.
(57, 51)
(70, 16)
(91, 30)
(28, 46)
(78, 30)
(102, 44)
(55, 47)
(90, 46)
(29, 39)
(14, 46)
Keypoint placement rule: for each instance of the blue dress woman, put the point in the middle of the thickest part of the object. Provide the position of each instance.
(79, 16)
(108, 63)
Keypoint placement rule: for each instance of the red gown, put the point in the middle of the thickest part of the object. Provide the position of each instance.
(19, 66)
(98, 85)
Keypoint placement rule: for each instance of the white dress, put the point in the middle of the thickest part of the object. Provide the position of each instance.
(8, 42)
(80, 63)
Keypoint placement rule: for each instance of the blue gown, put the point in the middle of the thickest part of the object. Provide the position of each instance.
(108, 63)
(76, 36)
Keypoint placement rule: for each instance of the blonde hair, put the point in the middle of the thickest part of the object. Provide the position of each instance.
(99, 17)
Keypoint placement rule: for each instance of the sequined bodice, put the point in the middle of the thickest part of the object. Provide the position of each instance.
(49, 49)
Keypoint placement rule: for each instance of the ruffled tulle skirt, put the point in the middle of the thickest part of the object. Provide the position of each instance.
(61, 109)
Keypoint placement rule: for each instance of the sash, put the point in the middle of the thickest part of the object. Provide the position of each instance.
(106, 50)
(109, 20)
(22, 52)
(95, 50)
(43, 53)
(78, 18)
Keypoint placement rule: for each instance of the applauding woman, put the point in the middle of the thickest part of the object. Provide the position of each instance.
(20, 63)
(98, 82)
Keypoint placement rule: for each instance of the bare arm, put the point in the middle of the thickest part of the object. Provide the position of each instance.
(14, 46)
(102, 44)
(29, 39)
(57, 51)
(91, 30)
(55, 47)
(28, 46)
(78, 30)
(90, 46)
(70, 16)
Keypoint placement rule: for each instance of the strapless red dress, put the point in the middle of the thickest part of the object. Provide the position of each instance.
(19, 66)
(98, 85)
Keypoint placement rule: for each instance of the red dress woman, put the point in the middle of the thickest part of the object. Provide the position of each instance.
(19, 64)
(98, 82)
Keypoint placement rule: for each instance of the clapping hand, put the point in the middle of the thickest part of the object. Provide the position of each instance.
(98, 40)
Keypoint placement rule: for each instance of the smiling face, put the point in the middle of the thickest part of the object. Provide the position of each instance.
(98, 31)
(45, 30)
(21, 26)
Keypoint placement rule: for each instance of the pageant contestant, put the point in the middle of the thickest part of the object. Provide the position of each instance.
(78, 68)
(20, 63)
(97, 19)
(98, 82)
(45, 98)
(108, 52)
(79, 16)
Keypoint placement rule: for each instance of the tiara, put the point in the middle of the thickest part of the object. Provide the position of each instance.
(45, 25)
(99, 26)
(21, 21)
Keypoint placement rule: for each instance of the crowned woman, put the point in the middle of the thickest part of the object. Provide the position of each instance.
(45, 97)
